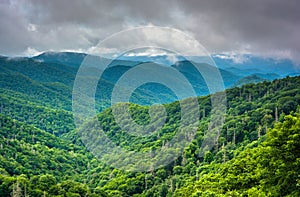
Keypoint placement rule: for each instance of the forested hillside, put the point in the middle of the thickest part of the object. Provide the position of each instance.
(137, 98)
(256, 154)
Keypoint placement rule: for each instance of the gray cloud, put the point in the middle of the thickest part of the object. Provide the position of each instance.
(269, 27)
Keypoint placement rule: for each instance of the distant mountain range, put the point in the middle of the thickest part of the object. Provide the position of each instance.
(55, 72)
(250, 65)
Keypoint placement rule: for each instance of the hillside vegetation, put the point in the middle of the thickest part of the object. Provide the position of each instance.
(256, 153)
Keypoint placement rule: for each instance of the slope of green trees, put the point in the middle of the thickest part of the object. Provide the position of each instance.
(270, 169)
(52, 120)
(36, 163)
(33, 161)
(42, 155)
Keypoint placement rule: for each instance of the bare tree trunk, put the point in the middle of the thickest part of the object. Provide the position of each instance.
(224, 153)
(233, 140)
(276, 114)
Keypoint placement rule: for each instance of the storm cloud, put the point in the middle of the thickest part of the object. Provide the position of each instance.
(267, 28)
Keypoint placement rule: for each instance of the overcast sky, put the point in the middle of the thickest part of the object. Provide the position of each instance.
(261, 27)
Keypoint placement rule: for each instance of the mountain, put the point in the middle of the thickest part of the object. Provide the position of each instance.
(52, 74)
(243, 72)
(49, 78)
(196, 79)
(231, 70)
(66, 58)
(240, 65)
(257, 146)
(249, 79)
(52, 83)
(249, 64)
(75, 59)
(43, 154)
(158, 59)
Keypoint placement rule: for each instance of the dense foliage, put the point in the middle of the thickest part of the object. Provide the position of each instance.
(256, 153)
(270, 169)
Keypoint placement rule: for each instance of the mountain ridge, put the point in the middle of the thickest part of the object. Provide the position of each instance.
(39, 163)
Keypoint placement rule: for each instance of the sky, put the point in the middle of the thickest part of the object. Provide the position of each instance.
(268, 28)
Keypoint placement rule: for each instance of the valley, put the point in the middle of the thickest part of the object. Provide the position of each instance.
(42, 154)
